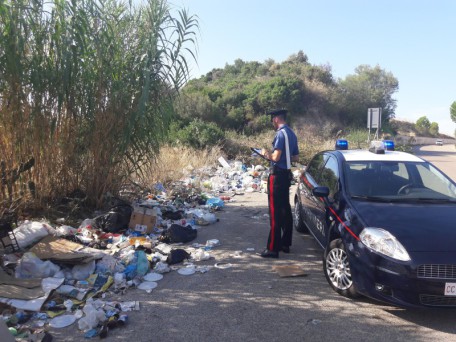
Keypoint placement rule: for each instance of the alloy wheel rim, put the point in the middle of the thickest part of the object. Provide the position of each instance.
(338, 269)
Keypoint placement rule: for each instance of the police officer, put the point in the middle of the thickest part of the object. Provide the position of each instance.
(284, 151)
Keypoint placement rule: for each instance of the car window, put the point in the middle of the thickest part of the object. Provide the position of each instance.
(375, 178)
(396, 180)
(314, 167)
(330, 175)
(401, 171)
(433, 179)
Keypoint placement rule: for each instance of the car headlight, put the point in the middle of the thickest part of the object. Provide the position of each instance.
(383, 242)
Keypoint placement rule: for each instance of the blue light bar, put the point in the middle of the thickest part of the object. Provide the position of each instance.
(341, 144)
(389, 145)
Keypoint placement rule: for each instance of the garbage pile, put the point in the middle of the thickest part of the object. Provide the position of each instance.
(64, 275)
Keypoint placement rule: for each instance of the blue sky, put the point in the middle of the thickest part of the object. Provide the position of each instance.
(414, 40)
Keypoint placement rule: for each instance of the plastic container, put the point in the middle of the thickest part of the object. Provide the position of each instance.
(148, 286)
(138, 239)
(152, 276)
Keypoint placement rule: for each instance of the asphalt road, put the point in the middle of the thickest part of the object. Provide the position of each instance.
(250, 302)
(444, 157)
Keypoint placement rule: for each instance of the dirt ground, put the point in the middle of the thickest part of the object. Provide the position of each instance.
(223, 303)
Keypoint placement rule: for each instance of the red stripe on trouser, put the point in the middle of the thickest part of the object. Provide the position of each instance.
(271, 212)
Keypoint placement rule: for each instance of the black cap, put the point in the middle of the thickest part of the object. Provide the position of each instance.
(276, 112)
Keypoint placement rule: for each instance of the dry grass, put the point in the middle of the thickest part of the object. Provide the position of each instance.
(312, 137)
(174, 163)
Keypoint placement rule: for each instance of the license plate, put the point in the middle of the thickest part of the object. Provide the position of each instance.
(450, 289)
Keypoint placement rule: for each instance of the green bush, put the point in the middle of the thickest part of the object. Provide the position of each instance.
(197, 134)
(259, 124)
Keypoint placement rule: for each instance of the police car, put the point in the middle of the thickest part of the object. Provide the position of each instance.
(386, 221)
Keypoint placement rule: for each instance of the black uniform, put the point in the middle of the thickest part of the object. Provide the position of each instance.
(279, 182)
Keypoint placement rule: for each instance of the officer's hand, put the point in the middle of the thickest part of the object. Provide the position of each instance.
(264, 152)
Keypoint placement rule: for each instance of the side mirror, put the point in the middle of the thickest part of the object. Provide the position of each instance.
(321, 191)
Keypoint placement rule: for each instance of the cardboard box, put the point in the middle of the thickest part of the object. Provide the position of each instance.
(143, 220)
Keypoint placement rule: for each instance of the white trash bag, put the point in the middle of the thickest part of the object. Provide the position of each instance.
(30, 266)
(30, 232)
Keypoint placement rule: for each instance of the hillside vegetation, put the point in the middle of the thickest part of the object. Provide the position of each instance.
(238, 95)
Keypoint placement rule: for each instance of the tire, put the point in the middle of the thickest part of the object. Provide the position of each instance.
(298, 223)
(337, 270)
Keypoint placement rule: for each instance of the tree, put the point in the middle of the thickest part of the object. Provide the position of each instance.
(423, 125)
(369, 87)
(453, 111)
(434, 129)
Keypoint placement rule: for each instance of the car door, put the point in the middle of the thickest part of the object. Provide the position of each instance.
(329, 177)
(308, 181)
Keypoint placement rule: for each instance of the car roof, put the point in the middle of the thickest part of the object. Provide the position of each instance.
(364, 155)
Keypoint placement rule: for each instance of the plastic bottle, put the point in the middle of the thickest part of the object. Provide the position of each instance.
(68, 305)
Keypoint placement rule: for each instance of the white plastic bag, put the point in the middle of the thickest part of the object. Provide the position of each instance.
(30, 266)
(87, 223)
(66, 230)
(30, 232)
(201, 255)
(210, 218)
(161, 267)
(83, 271)
(92, 317)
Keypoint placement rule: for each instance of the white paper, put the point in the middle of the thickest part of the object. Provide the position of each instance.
(224, 162)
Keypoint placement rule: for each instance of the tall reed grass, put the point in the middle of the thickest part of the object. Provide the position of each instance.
(86, 91)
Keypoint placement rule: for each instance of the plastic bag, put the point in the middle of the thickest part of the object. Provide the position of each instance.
(83, 271)
(92, 317)
(215, 202)
(201, 255)
(209, 218)
(30, 266)
(109, 264)
(66, 230)
(130, 271)
(116, 219)
(87, 223)
(177, 256)
(30, 232)
(161, 267)
(177, 233)
(142, 265)
(119, 279)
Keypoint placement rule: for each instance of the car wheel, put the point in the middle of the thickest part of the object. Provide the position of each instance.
(337, 269)
(298, 223)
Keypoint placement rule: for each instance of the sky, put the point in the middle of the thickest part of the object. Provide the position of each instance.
(414, 40)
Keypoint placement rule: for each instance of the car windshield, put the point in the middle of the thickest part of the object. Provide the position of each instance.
(398, 181)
